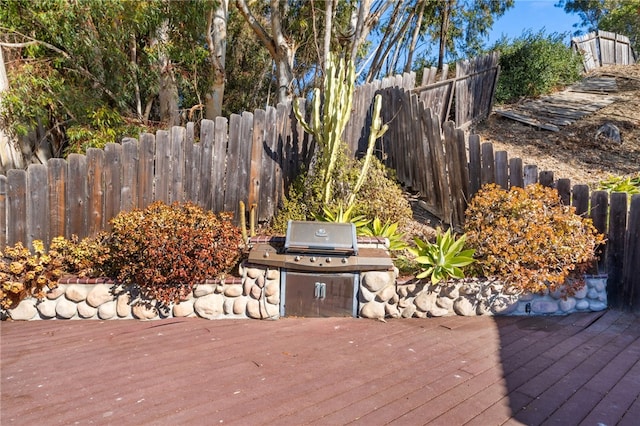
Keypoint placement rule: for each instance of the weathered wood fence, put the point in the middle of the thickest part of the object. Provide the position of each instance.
(603, 48)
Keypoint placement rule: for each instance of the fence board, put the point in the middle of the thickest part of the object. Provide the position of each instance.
(37, 205)
(443, 200)
(3, 211)
(130, 161)
(630, 273)
(207, 168)
(244, 160)
(580, 199)
(162, 172)
(458, 175)
(516, 174)
(17, 203)
(487, 171)
(57, 182)
(255, 159)
(95, 188)
(502, 169)
(231, 196)
(190, 169)
(196, 154)
(147, 150)
(616, 247)
(475, 173)
(546, 178)
(77, 195)
(599, 214)
(112, 181)
(530, 174)
(178, 135)
(564, 190)
(219, 166)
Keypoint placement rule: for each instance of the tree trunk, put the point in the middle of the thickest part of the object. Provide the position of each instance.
(414, 38)
(168, 91)
(217, 42)
(444, 30)
(328, 23)
(10, 156)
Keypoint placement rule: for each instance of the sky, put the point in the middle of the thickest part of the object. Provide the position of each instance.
(534, 15)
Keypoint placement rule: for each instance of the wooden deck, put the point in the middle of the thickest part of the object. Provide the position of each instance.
(579, 369)
(560, 109)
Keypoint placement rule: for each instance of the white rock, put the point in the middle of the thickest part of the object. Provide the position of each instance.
(526, 297)
(144, 311)
(377, 280)
(123, 307)
(209, 306)
(240, 306)
(107, 310)
(468, 289)
(391, 311)
(272, 288)
(227, 306)
(47, 308)
(592, 293)
(25, 310)
(372, 310)
(600, 285)
(254, 272)
(219, 288)
(101, 293)
(544, 306)
(425, 300)
(464, 306)
(256, 292)
(582, 293)
(183, 309)
(273, 274)
(247, 285)
(76, 292)
(437, 312)
(402, 291)
(256, 310)
(503, 305)
(203, 289)
(54, 293)
(386, 293)
(260, 281)
(597, 306)
(86, 311)
(582, 304)
(450, 291)
(568, 304)
(444, 303)
(274, 299)
(365, 295)
(409, 311)
(483, 308)
(233, 290)
(66, 309)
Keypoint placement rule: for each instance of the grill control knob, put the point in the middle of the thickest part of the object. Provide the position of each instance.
(344, 260)
(297, 258)
(328, 260)
(312, 259)
(266, 254)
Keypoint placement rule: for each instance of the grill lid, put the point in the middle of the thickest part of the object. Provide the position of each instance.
(321, 237)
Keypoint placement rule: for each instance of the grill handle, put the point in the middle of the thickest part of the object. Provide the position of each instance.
(320, 290)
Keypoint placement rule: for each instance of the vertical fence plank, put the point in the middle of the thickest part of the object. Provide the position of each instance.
(77, 195)
(231, 197)
(630, 273)
(530, 174)
(130, 162)
(57, 182)
(37, 205)
(95, 187)
(474, 164)
(564, 190)
(162, 175)
(502, 169)
(488, 164)
(580, 199)
(196, 153)
(598, 213)
(271, 171)
(147, 149)
(255, 159)
(244, 162)
(190, 171)
(3, 212)
(112, 181)
(546, 178)
(178, 135)
(17, 202)
(220, 140)
(515, 172)
(207, 182)
(616, 247)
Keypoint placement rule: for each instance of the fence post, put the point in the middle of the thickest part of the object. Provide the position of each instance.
(37, 205)
(631, 273)
(3, 212)
(616, 247)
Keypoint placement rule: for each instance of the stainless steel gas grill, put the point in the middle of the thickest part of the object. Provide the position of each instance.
(320, 265)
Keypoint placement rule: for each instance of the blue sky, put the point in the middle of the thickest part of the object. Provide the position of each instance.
(534, 15)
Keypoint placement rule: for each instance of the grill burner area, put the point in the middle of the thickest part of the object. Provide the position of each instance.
(320, 265)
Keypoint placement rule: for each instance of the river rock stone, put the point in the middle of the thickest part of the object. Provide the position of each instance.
(209, 306)
(468, 289)
(274, 299)
(599, 284)
(527, 297)
(47, 308)
(272, 288)
(66, 309)
(254, 272)
(273, 274)
(542, 306)
(450, 291)
(597, 306)
(425, 301)
(567, 305)
(86, 311)
(25, 310)
(203, 289)
(107, 310)
(483, 307)
(437, 312)
(247, 285)
(123, 305)
(101, 293)
(227, 306)
(465, 306)
(233, 290)
(386, 293)
(503, 305)
(373, 310)
(184, 308)
(391, 311)
(144, 311)
(582, 304)
(365, 295)
(592, 293)
(408, 311)
(582, 293)
(239, 306)
(260, 281)
(258, 310)
(76, 292)
(377, 280)
(56, 292)
(256, 292)
(444, 303)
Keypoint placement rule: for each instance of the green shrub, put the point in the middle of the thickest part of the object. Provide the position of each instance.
(529, 239)
(628, 184)
(535, 64)
(442, 259)
(386, 230)
(165, 250)
(23, 274)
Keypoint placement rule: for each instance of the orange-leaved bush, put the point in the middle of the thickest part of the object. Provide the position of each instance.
(529, 239)
(164, 250)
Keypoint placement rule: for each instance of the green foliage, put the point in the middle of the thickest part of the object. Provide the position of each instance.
(24, 274)
(386, 230)
(628, 184)
(340, 215)
(535, 64)
(165, 250)
(529, 239)
(80, 257)
(442, 259)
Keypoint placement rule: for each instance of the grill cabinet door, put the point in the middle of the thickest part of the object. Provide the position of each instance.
(319, 295)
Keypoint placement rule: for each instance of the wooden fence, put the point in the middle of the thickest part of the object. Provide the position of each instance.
(603, 48)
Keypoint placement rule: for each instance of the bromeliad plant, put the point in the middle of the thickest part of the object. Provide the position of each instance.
(386, 230)
(443, 259)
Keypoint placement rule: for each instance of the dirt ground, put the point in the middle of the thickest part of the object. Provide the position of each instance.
(574, 152)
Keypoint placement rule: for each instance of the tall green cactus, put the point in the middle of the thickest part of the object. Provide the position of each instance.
(339, 85)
